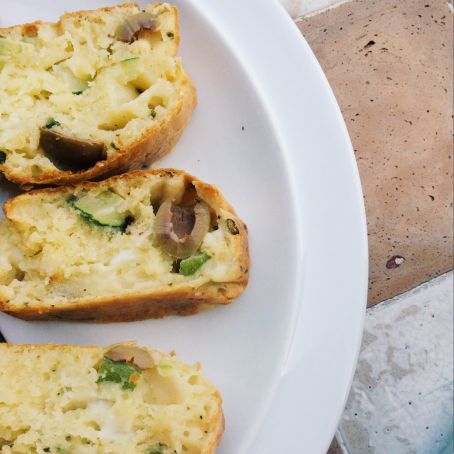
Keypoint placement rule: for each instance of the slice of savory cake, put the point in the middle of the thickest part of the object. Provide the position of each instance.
(144, 244)
(89, 400)
(97, 93)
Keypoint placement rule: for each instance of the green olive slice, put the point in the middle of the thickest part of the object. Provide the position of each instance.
(180, 230)
(131, 354)
(130, 28)
(70, 153)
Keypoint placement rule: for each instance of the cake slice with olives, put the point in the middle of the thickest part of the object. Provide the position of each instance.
(119, 399)
(97, 93)
(140, 245)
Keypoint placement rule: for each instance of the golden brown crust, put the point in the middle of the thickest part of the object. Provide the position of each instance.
(217, 428)
(179, 300)
(133, 307)
(154, 142)
(27, 347)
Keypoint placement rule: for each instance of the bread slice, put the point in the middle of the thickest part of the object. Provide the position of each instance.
(120, 399)
(106, 251)
(95, 94)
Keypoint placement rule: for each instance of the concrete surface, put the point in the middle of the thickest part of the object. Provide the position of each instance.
(401, 401)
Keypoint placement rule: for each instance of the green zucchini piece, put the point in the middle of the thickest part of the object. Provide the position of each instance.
(190, 265)
(129, 60)
(117, 372)
(160, 448)
(106, 209)
(51, 123)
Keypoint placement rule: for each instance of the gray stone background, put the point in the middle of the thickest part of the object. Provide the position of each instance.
(401, 399)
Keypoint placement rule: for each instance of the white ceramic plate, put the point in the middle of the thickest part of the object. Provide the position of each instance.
(269, 133)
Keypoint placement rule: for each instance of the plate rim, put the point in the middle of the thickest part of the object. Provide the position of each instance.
(252, 56)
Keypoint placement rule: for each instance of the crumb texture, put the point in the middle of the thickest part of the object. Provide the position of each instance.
(56, 403)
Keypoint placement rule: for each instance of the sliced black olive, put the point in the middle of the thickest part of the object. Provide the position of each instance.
(183, 220)
(70, 153)
(130, 28)
(176, 265)
(180, 230)
(190, 196)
